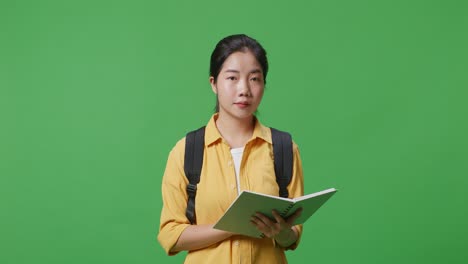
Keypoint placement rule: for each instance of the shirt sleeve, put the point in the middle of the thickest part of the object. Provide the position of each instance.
(296, 189)
(174, 196)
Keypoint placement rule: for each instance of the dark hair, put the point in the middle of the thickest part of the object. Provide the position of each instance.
(235, 43)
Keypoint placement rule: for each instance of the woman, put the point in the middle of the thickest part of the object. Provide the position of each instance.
(237, 156)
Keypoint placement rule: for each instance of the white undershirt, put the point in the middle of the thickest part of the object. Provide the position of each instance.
(237, 157)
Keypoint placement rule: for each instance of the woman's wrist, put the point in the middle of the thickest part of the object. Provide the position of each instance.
(286, 238)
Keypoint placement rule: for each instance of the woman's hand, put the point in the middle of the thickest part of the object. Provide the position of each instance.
(279, 229)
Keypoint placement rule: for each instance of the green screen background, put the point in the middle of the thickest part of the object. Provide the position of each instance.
(94, 94)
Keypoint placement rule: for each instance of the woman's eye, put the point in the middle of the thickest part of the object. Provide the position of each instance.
(255, 79)
(232, 78)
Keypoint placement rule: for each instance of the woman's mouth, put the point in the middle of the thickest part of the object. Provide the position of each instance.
(242, 104)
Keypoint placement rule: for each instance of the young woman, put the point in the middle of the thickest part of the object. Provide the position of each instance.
(237, 156)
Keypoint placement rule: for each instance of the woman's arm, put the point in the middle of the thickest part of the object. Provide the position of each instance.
(199, 236)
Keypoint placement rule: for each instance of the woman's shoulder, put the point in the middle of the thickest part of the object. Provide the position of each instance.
(179, 148)
(180, 144)
(280, 133)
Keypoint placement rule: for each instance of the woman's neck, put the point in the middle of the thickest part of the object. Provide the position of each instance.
(235, 131)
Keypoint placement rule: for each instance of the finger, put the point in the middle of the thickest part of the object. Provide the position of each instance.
(267, 225)
(262, 227)
(298, 212)
(266, 220)
(259, 223)
(294, 216)
(279, 219)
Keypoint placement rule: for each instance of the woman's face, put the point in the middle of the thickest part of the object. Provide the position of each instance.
(239, 85)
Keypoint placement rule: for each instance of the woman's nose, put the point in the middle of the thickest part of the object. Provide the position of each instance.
(244, 88)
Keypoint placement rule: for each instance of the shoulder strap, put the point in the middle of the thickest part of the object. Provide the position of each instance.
(283, 155)
(193, 161)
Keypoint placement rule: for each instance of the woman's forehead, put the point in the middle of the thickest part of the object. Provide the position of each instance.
(241, 62)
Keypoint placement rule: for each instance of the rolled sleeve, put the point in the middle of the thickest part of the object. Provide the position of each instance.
(173, 220)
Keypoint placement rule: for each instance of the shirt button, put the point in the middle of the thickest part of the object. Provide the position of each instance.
(236, 243)
(233, 186)
(229, 163)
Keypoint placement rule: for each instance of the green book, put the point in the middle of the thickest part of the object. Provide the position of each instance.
(237, 217)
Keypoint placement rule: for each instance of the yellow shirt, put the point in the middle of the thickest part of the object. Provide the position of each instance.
(218, 189)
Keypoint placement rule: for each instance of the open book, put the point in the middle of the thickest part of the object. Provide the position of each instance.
(237, 217)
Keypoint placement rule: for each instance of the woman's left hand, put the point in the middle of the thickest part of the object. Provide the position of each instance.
(279, 228)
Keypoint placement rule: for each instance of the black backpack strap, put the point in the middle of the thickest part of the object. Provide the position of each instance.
(193, 161)
(283, 155)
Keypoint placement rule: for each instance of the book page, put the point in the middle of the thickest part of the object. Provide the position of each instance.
(297, 199)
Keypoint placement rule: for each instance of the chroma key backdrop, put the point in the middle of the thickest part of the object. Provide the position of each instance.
(94, 94)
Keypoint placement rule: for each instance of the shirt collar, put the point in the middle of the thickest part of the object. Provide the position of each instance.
(212, 134)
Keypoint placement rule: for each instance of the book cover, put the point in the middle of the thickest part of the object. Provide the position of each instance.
(237, 218)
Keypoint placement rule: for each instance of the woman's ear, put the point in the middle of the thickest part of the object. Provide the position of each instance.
(213, 85)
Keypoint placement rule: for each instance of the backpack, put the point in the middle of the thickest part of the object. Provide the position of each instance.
(193, 160)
